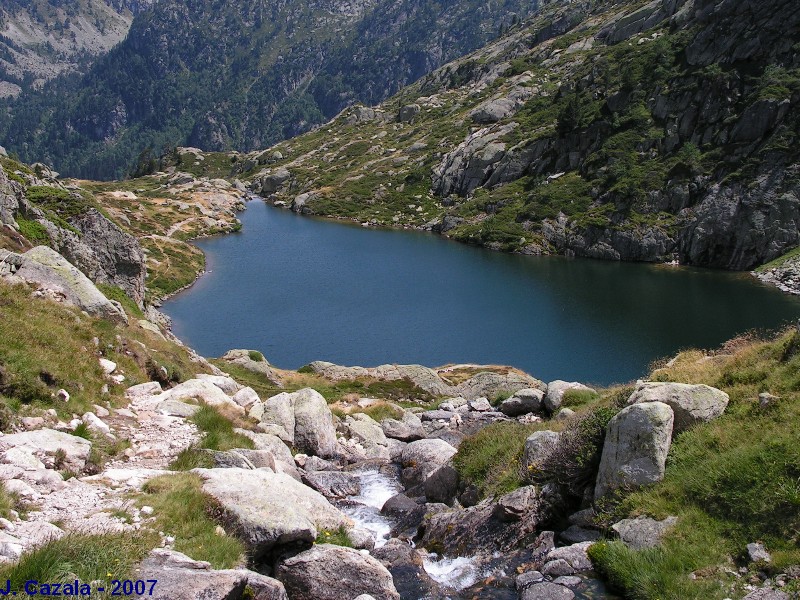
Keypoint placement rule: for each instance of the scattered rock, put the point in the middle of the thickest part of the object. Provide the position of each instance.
(524, 401)
(421, 458)
(547, 591)
(47, 442)
(408, 429)
(757, 553)
(333, 484)
(643, 532)
(539, 446)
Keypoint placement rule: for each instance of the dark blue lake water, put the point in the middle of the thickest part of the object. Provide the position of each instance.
(300, 289)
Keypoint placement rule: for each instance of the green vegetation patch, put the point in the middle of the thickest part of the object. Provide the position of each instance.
(338, 537)
(490, 459)
(84, 557)
(218, 435)
(113, 292)
(33, 231)
(59, 201)
(184, 511)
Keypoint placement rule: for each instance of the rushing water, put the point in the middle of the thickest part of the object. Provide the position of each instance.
(302, 289)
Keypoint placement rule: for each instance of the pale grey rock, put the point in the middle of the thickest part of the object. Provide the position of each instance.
(524, 401)
(143, 390)
(314, 432)
(407, 429)
(20, 488)
(635, 451)
(539, 446)
(22, 458)
(369, 434)
(756, 552)
(268, 510)
(277, 411)
(46, 268)
(424, 378)
(421, 458)
(93, 422)
(274, 181)
(179, 576)
(564, 414)
(555, 393)
(108, 366)
(327, 572)
(270, 443)
(767, 593)
(176, 408)
(223, 382)
(691, 404)
(10, 546)
(437, 415)
(568, 560)
(408, 112)
(262, 367)
(46, 442)
(479, 405)
(528, 578)
(246, 397)
(569, 581)
(643, 532)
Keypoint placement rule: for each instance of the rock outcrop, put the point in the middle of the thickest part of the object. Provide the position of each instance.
(691, 403)
(270, 510)
(635, 451)
(328, 572)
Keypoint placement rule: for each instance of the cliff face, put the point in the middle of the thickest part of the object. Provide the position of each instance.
(612, 130)
(242, 74)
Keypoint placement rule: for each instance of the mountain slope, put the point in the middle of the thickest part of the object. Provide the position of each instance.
(618, 130)
(242, 74)
(42, 39)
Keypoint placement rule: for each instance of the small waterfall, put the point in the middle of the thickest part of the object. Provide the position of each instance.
(365, 509)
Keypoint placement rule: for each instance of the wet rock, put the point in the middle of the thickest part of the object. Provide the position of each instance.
(643, 532)
(405, 563)
(635, 450)
(567, 560)
(691, 404)
(327, 572)
(442, 485)
(332, 484)
(547, 591)
(527, 579)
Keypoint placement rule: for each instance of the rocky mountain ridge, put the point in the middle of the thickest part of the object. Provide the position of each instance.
(657, 132)
(242, 75)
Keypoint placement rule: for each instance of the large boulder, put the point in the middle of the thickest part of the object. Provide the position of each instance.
(489, 384)
(267, 510)
(179, 576)
(523, 402)
(328, 572)
(276, 415)
(314, 431)
(690, 403)
(46, 268)
(555, 393)
(46, 443)
(635, 451)
(369, 434)
(539, 446)
(422, 458)
(407, 429)
(301, 419)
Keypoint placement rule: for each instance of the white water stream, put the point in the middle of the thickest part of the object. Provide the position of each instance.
(376, 489)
